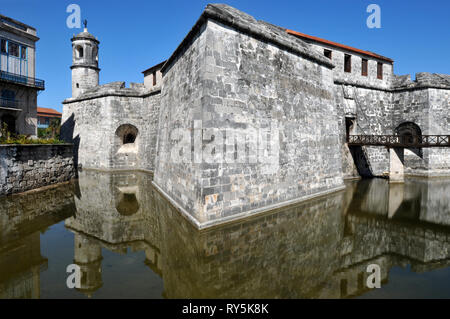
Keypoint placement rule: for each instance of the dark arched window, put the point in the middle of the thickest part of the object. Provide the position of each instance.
(127, 134)
(408, 129)
(80, 52)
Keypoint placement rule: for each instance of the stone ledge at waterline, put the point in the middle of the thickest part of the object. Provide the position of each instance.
(26, 167)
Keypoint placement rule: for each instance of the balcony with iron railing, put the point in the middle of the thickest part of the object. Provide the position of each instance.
(9, 103)
(24, 80)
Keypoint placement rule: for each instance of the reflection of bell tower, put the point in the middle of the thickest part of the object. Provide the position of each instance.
(88, 255)
(85, 71)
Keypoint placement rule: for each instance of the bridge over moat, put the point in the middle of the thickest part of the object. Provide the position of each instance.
(396, 144)
(398, 141)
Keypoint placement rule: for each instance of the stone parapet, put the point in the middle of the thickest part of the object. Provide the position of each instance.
(26, 167)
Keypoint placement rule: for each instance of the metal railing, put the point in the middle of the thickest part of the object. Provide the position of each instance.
(400, 141)
(13, 104)
(20, 79)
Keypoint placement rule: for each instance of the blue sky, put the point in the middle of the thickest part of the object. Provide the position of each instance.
(137, 34)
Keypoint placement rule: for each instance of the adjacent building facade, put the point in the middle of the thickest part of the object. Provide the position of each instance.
(46, 115)
(267, 111)
(18, 84)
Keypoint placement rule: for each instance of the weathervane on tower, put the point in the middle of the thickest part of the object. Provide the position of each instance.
(85, 24)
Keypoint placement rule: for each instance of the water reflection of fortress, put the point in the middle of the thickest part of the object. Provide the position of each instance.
(22, 219)
(316, 249)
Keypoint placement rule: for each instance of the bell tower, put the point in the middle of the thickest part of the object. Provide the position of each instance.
(85, 71)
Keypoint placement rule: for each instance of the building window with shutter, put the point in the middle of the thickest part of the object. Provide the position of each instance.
(380, 70)
(348, 63)
(13, 49)
(364, 67)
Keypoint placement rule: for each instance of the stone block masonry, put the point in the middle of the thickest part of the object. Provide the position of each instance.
(99, 121)
(246, 116)
(26, 167)
(229, 78)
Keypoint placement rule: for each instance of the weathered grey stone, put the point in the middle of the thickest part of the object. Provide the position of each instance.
(234, 73)
(19, 171)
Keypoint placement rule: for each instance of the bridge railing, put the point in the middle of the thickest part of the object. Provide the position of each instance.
(400, 141)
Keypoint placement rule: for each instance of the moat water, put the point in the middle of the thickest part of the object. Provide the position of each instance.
(130, 243)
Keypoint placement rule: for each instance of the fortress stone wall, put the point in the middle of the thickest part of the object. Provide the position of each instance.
(246, 83)
(267, 113)
(99, 121)
(26, 167)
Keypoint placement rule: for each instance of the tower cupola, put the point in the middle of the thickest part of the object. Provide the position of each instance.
(85, 71)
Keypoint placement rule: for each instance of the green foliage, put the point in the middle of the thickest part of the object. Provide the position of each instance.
(8, 138)
(26, 140)
(4, 132)
(52, 131)
(42, 132)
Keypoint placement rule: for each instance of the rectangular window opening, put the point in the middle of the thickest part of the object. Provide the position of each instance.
(380, 70)
(13, 49)
(3, 46)
(364, 67)
(327, 53)
(23, 52)
(348, 63)
(154, 78)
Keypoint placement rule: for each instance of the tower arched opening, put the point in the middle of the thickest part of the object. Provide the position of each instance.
(79, 51)
(410, 133)
(127, 138)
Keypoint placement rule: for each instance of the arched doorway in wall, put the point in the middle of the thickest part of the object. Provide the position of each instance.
(408, 129)
(411, 132)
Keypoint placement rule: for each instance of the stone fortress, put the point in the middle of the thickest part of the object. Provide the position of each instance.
(234, 72)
